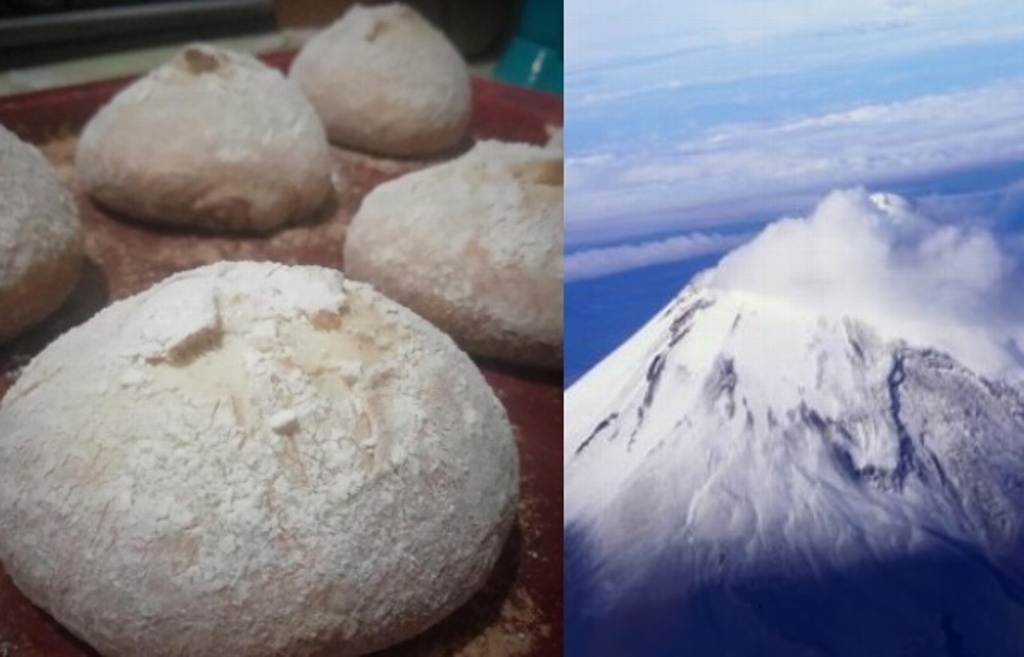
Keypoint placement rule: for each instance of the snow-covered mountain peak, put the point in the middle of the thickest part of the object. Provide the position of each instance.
(776, 418)
(872, 257)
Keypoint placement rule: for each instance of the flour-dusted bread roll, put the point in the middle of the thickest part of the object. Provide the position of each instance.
(385, 81)
(41, 246)
(253, 460)
(556, 140)
(213, 139)
(475, 246)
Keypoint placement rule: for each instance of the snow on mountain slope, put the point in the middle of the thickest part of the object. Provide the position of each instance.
(839, 396)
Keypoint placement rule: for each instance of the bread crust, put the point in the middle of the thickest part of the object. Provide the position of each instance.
(252, 459)
(41, 291)
(213, 140)
(474, 246)
(385, 81)
(41, 243)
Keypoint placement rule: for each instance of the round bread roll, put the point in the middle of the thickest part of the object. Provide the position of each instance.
(41, 245)
(253, 460)
(384, 80)
(475, 246)
(213, 139)
(556, 139)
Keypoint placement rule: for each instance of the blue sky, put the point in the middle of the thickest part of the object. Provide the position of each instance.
(687, 117)
(691, 126)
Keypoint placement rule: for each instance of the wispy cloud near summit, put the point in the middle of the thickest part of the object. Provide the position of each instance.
(877, 259)
(594, 263)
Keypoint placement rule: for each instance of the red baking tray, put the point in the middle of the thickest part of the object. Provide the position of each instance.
(519, 612)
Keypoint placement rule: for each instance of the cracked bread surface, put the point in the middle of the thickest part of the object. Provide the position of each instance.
(475, 246)
(213, 139)
(253, 459)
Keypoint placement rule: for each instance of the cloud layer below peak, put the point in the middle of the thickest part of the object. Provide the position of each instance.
(782, 165)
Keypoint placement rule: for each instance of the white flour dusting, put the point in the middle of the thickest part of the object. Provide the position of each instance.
(38, 220)
(253, 459)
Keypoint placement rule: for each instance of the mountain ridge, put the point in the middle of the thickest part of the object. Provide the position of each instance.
(742, 447)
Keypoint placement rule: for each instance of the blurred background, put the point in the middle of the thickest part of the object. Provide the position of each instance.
(47, 42)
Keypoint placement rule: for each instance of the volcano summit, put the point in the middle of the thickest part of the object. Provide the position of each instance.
(816, 448)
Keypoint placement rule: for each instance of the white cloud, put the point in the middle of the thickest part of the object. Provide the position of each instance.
(595, 263)
(877, 259)
(1010, 211)
(609, 34)
(589, 159)
(764, 163)
(662, 483)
